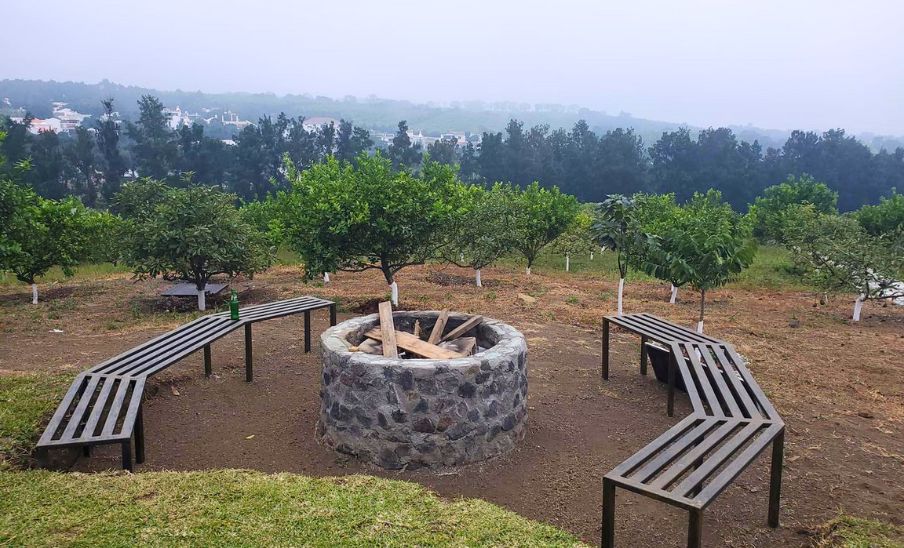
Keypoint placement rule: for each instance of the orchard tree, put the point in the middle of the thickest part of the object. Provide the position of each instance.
(193, 234)
(705, 244)
(479, 231)
(768, 210)
(885, 218)
(839, 254)
(356, 217)
(540, 216)
(577, 238)
(656, 216)
(39, 234)
(104, 233)
(617, 228)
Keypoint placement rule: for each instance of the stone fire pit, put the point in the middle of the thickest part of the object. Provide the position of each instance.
(408, 413)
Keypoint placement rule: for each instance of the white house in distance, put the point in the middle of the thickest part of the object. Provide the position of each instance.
(39, 125)
(69, 119)
(316, 122)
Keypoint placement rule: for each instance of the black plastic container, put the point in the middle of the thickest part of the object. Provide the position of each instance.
(659, 359)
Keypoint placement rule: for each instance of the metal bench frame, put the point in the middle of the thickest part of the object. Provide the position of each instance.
(693, 462)
(104, 404)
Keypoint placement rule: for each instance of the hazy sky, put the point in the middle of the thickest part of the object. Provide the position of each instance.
(775, 64)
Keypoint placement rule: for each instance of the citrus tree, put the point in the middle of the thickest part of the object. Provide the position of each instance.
(104, 234)
(479, 232)
(365, 215)
(768, 210)
(618, 228)
(703, 243)
(838, 254)
(655, 214)
(577, 238)
(193, 234)
(540, 216)
(887, 217)
(39, 234)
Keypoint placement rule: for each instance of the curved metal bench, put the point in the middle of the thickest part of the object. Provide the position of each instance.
(690, 465)
(104, 404)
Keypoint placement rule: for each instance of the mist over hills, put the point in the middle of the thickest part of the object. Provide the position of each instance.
(374, 113)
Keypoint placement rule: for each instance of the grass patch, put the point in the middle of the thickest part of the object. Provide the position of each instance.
(82, 272)
(25, 403)
(241, 508)
(851, 532)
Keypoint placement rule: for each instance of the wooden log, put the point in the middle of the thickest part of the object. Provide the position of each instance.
(390, 350)
(471, 322)
(462, 345)
(370, 346)
(407, 341)
(439, 327)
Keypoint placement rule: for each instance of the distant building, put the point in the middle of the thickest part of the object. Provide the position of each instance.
(316, 122)
(230, 118)
(176, 117)
(40, 126)
(69, 119)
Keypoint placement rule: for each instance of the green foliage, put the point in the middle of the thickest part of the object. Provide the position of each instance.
(139, 198)
(39, 234)
(838, 254)
(703, 243)
(769, 210)
(244, 508)
(479, 231)
(194, 233)
(618, 227)
(577, 237)
(885, 218)
(340, 216)
(541, 215)
(266, 217)
(104, 235)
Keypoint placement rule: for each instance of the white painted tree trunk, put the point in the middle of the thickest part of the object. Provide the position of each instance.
(621, 290)
(326, 277)
(567, 263)
(528, 271)
(591, 255)
(858, 306)
(674, 296)
(34, 293)
(202, 299)
(477, 278)
(394, 293)
(700, 326)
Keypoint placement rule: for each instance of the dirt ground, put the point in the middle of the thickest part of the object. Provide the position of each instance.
(838, 386)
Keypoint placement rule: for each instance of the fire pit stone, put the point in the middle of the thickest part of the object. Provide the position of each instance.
(408, 413)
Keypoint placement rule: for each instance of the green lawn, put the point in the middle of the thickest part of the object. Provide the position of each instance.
(851, 532)
(26, 402)
(241, 508)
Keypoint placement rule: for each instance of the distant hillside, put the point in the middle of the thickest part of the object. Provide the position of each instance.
(374, 113)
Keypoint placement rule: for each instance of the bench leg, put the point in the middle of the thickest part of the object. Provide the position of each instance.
(139, 436)
(332, 314)
(127, 455)
(775, 477)
(643, 355)
(607, 539)
(695, 529)
(249, 367)
(605, 364)
(207, 366)
(307, 331)
(670, 407)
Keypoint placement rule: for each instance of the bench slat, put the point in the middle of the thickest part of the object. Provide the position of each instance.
(666, 455)
(716, 460)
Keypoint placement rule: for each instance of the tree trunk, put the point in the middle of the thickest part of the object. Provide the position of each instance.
(858, 306)
(202, 298)
(621, 290)
(591, 255)
(326, 277)
(528, 271)
(34, 293)
(702, 304)
(394, 293)
(567, 263)
(674, 296)
(477, 278)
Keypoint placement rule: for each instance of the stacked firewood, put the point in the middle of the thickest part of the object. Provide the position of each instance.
(437, 345)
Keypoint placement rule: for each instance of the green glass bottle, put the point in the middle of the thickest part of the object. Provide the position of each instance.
(234, 305)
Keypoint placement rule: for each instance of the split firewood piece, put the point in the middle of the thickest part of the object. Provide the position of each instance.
(462, 345)
(370, 346)
(417, 328)
(390, 350)
(407, 341)
(471, 322)
(439, 327)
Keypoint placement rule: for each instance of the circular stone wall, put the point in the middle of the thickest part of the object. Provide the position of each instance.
(408, 413)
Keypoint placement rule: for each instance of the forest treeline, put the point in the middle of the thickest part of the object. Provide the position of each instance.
(93, 162)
